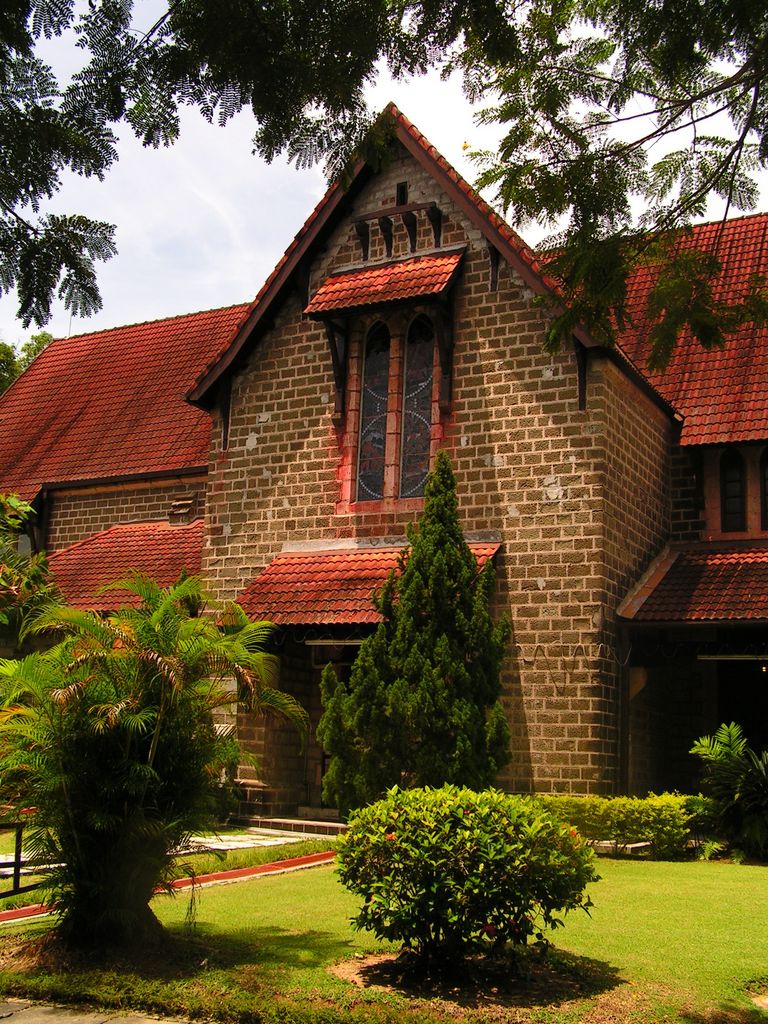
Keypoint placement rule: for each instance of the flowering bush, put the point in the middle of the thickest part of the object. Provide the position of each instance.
(446, 871)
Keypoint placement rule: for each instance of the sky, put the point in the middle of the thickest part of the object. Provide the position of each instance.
(201, 224)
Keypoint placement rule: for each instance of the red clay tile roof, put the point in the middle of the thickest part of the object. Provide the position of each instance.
(111, 403)
(158, 549)
(703, 583)
(723, 394)
(387, 282)
(326, 587)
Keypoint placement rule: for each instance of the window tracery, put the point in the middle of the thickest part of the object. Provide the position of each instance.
(397, 382)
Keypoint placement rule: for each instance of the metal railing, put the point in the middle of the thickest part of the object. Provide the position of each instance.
(17, 865)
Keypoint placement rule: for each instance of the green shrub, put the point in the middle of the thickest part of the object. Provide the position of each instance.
(665, 821)
(448, 870)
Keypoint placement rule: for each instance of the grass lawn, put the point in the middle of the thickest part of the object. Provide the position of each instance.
(666, 943)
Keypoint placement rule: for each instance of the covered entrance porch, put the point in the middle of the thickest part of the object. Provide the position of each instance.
(696, 627)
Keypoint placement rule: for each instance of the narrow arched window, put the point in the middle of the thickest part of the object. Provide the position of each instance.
(373, 415)
(764, 490)
(733, 496)
(417, 407)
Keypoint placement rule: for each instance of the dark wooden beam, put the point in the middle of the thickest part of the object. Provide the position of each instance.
(393, 211)
(385, 227)
(493, 260)
(301, 281)
(435, 215)
(444, 333)
(336, 332)
(224, 403)
(581, 373)
(409, 219)
(363, 230)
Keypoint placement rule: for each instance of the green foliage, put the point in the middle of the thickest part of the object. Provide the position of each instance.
(667, 821)
(579, 154)
(110, 736)
(32, 348)
(26, 585)
(737, 778)
(446, 871)
(606, 109)
(15, 514)
(8, 366)
(422, 703)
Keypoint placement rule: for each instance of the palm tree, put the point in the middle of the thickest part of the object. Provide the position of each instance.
(110, 735)
(736, 776)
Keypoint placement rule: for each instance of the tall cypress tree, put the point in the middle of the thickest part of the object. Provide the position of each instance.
(422, 703)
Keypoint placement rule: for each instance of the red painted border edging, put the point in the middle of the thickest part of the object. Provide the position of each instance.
(260, 869)
(274, 868)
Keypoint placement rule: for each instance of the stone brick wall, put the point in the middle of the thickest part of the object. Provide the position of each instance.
(532, 469)
(79, 512)
(687, 494)
(635, 476)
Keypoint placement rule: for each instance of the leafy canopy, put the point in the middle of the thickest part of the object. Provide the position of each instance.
(421, 707)
(12, 365)
(110, 737)
(620, 117)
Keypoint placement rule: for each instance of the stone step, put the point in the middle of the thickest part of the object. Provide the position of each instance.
(304, 825)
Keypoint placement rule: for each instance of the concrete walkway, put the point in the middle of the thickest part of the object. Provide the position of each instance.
(21, 1011)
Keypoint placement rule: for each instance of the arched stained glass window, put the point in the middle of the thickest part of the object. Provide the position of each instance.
(417, 407)
(733, 498)
(373, 415)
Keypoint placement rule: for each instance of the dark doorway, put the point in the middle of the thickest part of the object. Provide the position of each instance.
(742, 697)
(341, 656)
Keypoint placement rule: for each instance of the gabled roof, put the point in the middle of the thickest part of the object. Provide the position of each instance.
(327, 587)
(722, 394)
(158, 549)
(383, 283)
(330, 208)
(725, 582)
(111, 404)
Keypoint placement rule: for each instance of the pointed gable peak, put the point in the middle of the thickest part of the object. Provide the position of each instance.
(329, 211)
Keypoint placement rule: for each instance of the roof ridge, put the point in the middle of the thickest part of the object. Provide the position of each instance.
(158, 320)
(730, 220)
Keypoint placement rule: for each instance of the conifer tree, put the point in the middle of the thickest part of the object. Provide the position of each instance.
(422, 703)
